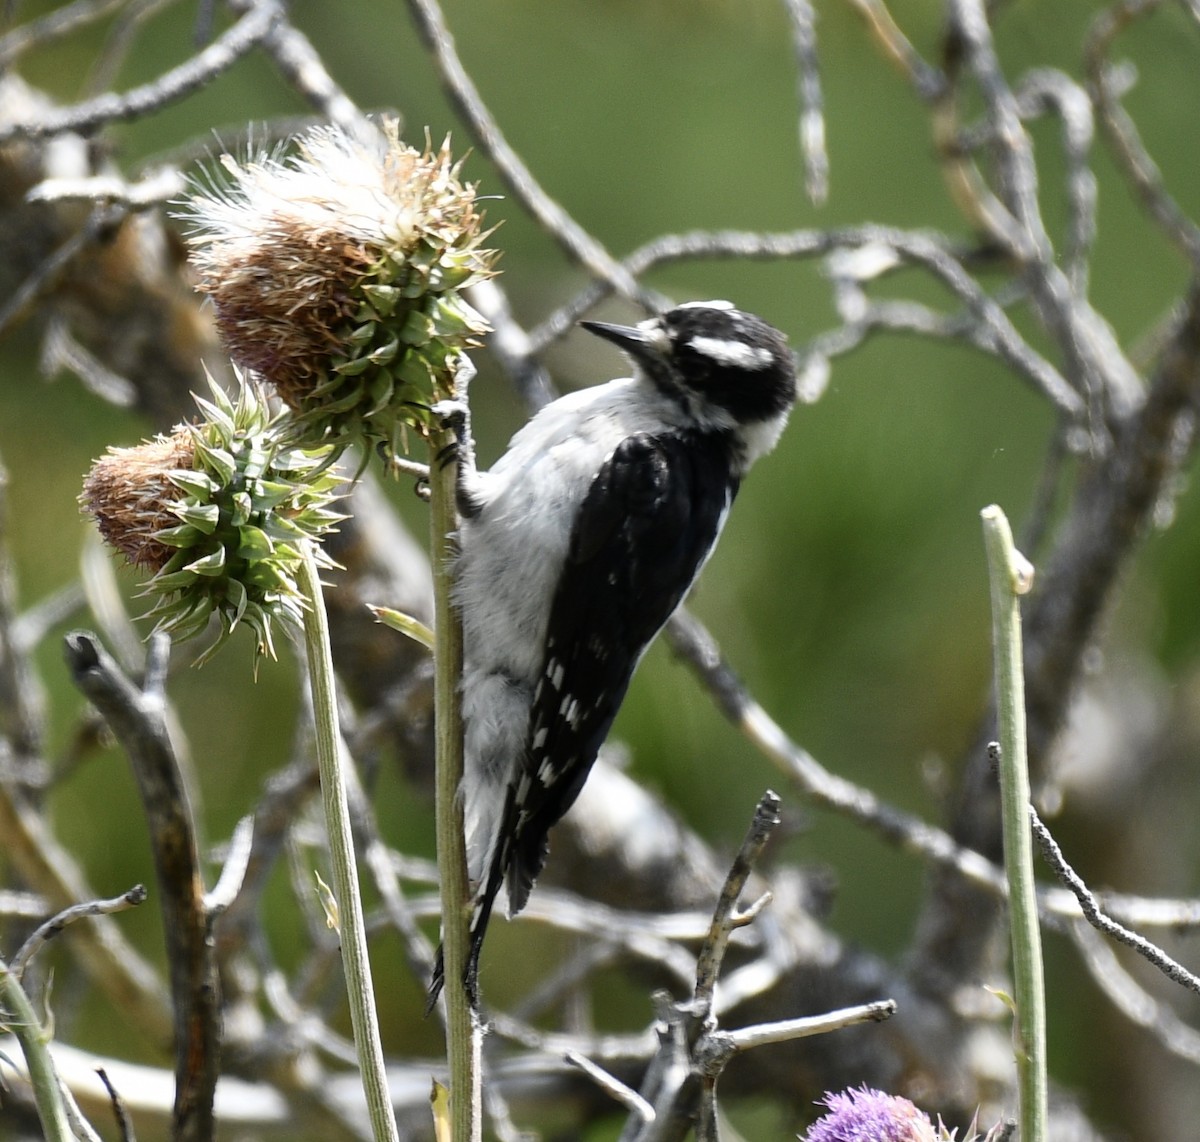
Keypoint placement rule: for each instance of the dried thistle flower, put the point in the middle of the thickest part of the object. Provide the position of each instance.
(130, 495)
(336, 275)
(219, 511)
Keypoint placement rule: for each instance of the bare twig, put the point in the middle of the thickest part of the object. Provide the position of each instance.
(117, 967)
(36, 621)
(927, 80)
(118, 43)
(417, 949)
(812, 119)
(54, 25)
(1015, 219)
(697, 647)
(645, 937)
(512, 346)
(1121, 133)
(721, 1046)
(1094, 915)
(21, 701)
(49, 271)
(578, 245)
(726, 917)
(1130, 998)
(21, 905)
(612, 1086)
(305, 71)
(612, 1049)
(137, 718)
(677, 1085)
(61, 350)
(680, 1082)
(1148, 912)
(158, 185)
(1047, 89)
(285, 794)
(80, 1126)
(176, 84)
(1094, 362)
(124, 1122)
(51, 928)
(233, 872)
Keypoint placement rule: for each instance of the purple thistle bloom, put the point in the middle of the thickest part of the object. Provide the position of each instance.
(867, 1115)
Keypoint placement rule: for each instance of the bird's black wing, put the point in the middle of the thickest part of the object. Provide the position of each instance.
(646, 526)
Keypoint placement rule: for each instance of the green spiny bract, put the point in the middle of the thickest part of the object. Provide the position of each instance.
(220, 511)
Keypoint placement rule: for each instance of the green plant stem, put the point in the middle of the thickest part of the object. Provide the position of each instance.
(1010, 576)
(20, 1019)
(352, 930)
(463, 1035)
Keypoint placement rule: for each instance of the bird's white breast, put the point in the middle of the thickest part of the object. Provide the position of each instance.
(529, 499)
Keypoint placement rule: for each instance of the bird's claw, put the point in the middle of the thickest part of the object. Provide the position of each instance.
(454, 417)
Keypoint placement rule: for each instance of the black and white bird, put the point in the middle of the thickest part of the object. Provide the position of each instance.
(576, 547)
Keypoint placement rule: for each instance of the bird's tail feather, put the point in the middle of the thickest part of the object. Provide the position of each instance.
(485, 901)
(525, 865)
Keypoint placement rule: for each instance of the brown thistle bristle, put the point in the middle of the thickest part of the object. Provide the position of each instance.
(129, 494)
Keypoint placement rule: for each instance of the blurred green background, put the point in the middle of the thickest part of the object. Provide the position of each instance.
(850, 588)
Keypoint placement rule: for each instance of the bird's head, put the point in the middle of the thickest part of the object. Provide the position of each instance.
(729, 369)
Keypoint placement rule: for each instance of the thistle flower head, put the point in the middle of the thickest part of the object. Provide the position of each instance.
(867, 1115)
(336, 274)
(219, 511)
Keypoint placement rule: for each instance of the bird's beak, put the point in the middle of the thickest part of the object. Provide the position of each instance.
(640, 343)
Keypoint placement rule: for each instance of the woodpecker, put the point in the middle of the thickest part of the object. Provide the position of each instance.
(575, 548)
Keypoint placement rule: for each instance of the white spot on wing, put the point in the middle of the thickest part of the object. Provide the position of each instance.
(569, 709)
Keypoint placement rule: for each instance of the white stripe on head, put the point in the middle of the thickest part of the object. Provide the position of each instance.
(719, 303)
(732, 354)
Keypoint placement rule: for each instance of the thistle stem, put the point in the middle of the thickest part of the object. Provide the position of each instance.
(1010, 576)
(23, 1022)
(330, 760)
(463, 1033)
